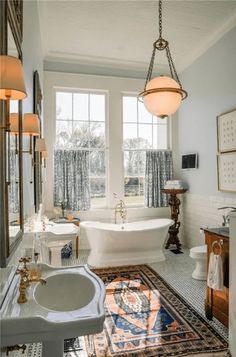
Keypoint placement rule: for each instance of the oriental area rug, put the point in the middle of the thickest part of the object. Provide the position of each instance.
(145, 317)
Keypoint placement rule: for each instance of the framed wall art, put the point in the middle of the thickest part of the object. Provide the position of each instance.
(226, 132)
(226, 163)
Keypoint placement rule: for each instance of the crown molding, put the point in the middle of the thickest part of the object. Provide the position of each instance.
(208, 43)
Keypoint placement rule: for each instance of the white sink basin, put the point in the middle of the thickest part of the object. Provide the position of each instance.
(67, 228)
(65, 292)
(71, 304)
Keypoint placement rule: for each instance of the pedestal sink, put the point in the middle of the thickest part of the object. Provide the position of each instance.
(71, 304)
(65, 292)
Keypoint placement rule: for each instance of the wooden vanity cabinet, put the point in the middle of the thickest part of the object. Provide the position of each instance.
(217, 302)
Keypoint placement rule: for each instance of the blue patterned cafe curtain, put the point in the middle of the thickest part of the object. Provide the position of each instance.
(159, 169)
(71, 179)
(13, 191)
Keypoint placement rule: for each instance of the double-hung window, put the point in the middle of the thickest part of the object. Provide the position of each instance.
(141, 132)
(80, 125)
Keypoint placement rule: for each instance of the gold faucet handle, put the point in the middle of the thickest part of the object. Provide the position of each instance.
(23, 272)
(25, 260)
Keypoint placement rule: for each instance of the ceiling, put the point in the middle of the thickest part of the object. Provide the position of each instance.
(120, 33)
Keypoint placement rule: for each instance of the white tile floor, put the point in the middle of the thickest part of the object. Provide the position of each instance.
(176, 270)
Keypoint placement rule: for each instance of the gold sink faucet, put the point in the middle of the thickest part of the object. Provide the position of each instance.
(25, 280)
(120, 208)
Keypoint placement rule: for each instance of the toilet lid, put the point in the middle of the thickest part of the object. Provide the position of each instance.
(199, 249)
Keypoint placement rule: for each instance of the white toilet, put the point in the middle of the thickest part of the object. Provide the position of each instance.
(199, 254)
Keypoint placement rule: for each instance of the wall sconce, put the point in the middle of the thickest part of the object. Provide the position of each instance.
(31, 128)
(12, 86)
(14, 127)
(40, 146)
(44, 156)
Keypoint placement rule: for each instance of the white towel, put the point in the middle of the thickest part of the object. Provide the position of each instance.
(215, 272)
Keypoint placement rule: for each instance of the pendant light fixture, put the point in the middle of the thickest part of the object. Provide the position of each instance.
(162, 95)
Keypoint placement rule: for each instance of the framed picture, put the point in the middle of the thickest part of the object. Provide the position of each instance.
(226, 132)
(226, 163)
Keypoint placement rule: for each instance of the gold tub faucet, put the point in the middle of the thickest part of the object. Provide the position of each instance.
(120, 208)
(25, 280)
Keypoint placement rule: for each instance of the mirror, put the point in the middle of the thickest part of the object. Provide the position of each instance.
(37, 155)
(13, 178)
(11, 192)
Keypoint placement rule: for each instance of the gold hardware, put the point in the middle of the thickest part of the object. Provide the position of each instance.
(121, 209)
(24, 261)
(25, 280)
(219, 244)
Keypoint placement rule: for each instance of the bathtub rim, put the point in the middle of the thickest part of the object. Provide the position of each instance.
(120, 225)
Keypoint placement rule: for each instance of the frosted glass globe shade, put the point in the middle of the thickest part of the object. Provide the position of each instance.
(162, 103)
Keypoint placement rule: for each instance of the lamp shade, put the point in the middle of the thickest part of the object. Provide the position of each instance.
(14, 123)
(164, 97)
(44, 154)
(40, 145)
(12, 85)
(31, 124)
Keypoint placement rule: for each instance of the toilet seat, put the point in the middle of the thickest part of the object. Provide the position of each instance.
(198, 252)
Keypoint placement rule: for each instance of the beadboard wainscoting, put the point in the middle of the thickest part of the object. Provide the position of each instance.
(201, 211)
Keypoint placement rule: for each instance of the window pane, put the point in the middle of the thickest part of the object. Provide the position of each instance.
(131, 163)
(63, 105)
(129, 109)
(143, 115)
(81, 135)
(97, 163)
(97, 107)
(97, 187)
(63, 133)
(159, 136)
(80, 106)
(131, 186)
(130, 139)
(134, 186)
(142, 163)
(145, 136)
(97, 135)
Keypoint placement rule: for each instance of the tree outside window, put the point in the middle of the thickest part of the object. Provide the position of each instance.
(80, 125)
(141, 132)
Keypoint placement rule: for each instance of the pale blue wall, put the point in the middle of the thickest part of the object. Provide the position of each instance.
(211, 85)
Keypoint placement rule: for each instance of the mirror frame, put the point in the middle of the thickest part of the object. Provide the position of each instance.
(11, 12)
(37, 156)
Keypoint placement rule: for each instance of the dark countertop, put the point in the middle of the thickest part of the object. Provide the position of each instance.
(220, 231)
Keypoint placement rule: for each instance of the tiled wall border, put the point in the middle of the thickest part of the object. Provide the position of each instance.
(201, 211)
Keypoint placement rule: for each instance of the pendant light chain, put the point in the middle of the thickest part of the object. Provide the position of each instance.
(160, 19)
(173, 72)
(163, 94)
(150, 68)
(162, 44)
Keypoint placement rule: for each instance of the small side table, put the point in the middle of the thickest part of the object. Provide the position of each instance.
(174, 203)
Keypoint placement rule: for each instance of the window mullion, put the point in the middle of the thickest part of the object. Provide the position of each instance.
(137, 151)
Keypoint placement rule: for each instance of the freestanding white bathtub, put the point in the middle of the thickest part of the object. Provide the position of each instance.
(125, 244)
